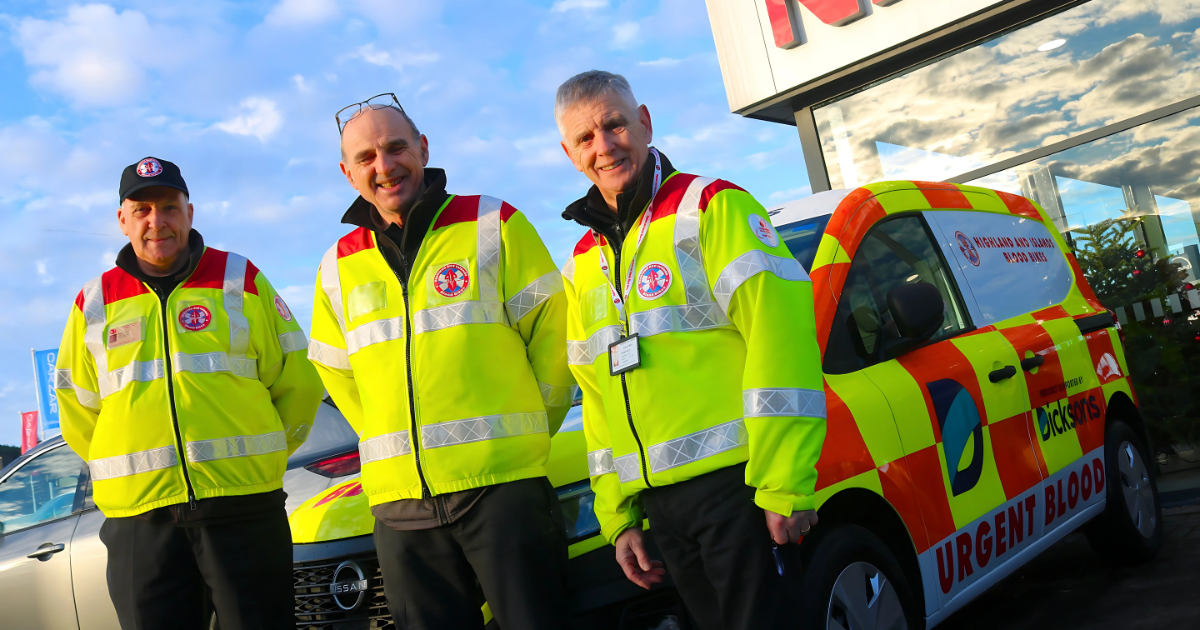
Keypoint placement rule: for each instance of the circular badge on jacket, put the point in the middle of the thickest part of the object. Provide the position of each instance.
(282, 308)
(764, 231)
(195, 317)
(451, 280)
(149, 167)
(653, 281)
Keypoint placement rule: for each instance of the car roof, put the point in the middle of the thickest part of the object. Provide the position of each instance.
(817, 205)
(49, 443)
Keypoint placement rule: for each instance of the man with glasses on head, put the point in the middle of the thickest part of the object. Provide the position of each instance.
(439, 331)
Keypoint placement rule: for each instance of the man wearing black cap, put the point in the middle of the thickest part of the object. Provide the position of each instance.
(183, 382)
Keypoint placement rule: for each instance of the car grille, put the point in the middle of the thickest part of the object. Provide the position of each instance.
(316, 609)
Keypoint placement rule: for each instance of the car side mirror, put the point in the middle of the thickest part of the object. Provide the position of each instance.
(917, 311)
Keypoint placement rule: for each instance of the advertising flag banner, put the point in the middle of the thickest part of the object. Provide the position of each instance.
(29, 430)
(43, 374)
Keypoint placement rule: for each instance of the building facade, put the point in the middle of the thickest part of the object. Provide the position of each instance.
(1091, 108)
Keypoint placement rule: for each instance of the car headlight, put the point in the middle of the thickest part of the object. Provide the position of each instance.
(579, 511)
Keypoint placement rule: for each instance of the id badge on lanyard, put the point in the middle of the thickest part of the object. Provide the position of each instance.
(624, 354)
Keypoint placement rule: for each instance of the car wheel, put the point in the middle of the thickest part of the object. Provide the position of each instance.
(1129, 531)
(853, 582)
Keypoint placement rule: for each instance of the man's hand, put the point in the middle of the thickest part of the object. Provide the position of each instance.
(784, 529)
(631, 555)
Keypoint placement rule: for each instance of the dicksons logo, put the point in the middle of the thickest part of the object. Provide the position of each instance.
(1062, 415)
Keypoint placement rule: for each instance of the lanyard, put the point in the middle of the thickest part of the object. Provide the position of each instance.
(643, 228)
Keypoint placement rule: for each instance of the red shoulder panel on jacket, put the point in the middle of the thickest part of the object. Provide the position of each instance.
(506, 211)
(459, 210)
(210, 273)
(585, 244)
(666, 202)
(712, 189)
(354, 242)
(79, 301)
(251, 275)
(117, 285)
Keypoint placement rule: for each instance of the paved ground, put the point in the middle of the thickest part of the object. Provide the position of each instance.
(1068, 587)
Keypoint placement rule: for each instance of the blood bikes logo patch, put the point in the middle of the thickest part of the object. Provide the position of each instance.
(764, 231)
(967, 249)
(194, 318)
(149, 167)
(653, 281)
(281, 307)
(451, 281)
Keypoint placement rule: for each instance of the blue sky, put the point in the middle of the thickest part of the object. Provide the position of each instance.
(242, 95)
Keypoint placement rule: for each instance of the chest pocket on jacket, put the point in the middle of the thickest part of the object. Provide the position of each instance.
(366, 298)
(594, 305)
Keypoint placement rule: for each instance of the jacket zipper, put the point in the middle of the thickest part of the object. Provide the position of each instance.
(625, 386)
(187, 480)
(415, 436)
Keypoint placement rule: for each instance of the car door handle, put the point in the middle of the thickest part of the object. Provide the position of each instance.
(1032, 362)
(1007, 371)
(45, 551)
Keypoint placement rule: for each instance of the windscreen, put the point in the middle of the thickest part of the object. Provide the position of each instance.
(803, 237)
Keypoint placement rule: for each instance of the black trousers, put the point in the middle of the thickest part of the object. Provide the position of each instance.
(511, 541)
(157, 573)
(717, 549)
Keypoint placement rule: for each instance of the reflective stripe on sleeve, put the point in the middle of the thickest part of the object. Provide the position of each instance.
(568, 270)
(136, 371)
(750, 263)
(238, 446)
(87, 398)
(384, 446)
(531, 296)
(487, 229)
(233, 293)
(586, 352)
(556, 396)
(331, 284)
(212, 362)
(687, 243)
(628, 467)
(94, 320)
(327, 355)
(600, 462)
(457, 314)
(769, 402)
(371, 333)
(681, 318)
(132, 464)
(697, 446)
(292, 341)
(483, 428)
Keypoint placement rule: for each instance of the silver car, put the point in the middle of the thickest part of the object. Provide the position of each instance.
(52, 563)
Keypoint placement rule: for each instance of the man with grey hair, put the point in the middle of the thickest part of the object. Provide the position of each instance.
(690, 329)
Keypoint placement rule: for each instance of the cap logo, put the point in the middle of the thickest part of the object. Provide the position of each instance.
(451, 281)
(149, 167)
(194, 318)
(764, 231)
(282, 308)
(653, 281)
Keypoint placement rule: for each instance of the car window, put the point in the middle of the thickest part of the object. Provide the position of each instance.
(330, 434)
(42, 490)
(803, 237)
(895, 252)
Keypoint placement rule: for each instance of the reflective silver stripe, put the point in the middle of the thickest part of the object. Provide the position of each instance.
(697, 446)
(687, 243)
(238, 446)
(210, 362)
(87, 398)
(384, 446)
(487, 252)
(568, 270)
(586, 352)
(457, 314)
(628, 467)
(555, 396)
(681, 318)
(768, 402)
(292, 341)
(132, 464)
(327, 355)
(750, 263)
(483, 428)
(300, 431)
(331, 284)
(95, 320)
(531, 296)
(600, 462)
(136, 371)
(371, 333)
(233, 293)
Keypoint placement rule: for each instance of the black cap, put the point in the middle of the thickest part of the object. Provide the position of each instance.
(151, 171)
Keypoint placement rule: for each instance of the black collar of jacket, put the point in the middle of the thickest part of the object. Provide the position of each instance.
(127, 261)
(591, 211)
(401, 243)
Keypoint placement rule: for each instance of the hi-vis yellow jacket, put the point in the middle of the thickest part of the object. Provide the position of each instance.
(457, 380)
(221, 377)
(730, 368)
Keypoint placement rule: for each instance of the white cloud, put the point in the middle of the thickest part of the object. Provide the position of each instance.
(372, 55)
(790, 194)
(625, 34)
(108, 258)
(302, 12)
(301, 83)
(562, 6)
(541, 150)
(260, 118)
(43, 276)
(8, 388)
(665, 62)
(298, 295)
